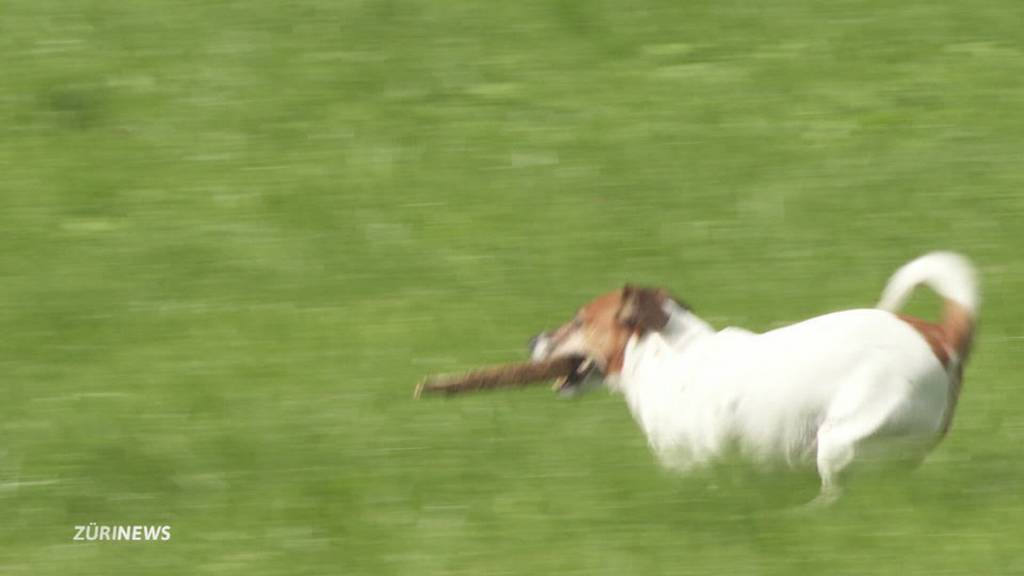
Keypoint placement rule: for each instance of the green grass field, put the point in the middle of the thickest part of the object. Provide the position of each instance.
(234, 234)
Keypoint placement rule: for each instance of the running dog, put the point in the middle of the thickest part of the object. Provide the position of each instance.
(827, 390)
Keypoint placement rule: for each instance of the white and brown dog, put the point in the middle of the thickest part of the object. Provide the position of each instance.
(829, 390)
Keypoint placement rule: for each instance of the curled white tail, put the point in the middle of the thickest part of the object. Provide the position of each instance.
(950, 275)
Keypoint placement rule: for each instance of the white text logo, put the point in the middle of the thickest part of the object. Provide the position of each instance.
(92, 533)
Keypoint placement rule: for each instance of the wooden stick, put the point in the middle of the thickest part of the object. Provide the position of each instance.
(501, 376)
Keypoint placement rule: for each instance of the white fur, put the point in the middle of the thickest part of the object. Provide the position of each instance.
(822, 390)
(949, 274)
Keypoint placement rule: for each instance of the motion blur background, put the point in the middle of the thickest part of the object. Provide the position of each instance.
(233, 234)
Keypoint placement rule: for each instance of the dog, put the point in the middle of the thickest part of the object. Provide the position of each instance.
(849, 386)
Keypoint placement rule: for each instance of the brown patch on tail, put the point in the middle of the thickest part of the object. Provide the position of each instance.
(950, 341)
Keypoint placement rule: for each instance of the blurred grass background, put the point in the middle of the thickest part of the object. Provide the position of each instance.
(234, 234)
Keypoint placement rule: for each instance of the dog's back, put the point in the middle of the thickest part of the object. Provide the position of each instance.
(769, 393)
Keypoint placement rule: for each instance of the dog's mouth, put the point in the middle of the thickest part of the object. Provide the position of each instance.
(571, 383)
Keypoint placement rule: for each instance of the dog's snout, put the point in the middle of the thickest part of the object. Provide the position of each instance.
(538, 346)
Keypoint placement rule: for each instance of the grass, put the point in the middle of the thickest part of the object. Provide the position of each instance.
(234, 234)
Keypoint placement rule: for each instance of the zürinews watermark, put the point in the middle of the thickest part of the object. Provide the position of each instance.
(132, 533)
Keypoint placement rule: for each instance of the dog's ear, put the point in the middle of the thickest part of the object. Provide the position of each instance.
(642, 308)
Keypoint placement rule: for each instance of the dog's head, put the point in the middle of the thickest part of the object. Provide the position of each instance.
(599, 333)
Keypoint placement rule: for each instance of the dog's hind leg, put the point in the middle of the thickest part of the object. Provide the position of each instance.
(857, 418)
(834, 454)
(836, 450)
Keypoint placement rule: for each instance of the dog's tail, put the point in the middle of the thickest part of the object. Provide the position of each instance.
(952, 277)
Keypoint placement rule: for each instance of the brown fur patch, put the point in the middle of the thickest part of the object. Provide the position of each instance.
(950, 336)
(606, 335)
(642, 308)
(607, 323)
(933, 334)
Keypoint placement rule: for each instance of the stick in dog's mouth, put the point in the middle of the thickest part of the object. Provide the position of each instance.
(569, 382)
(568, 370)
